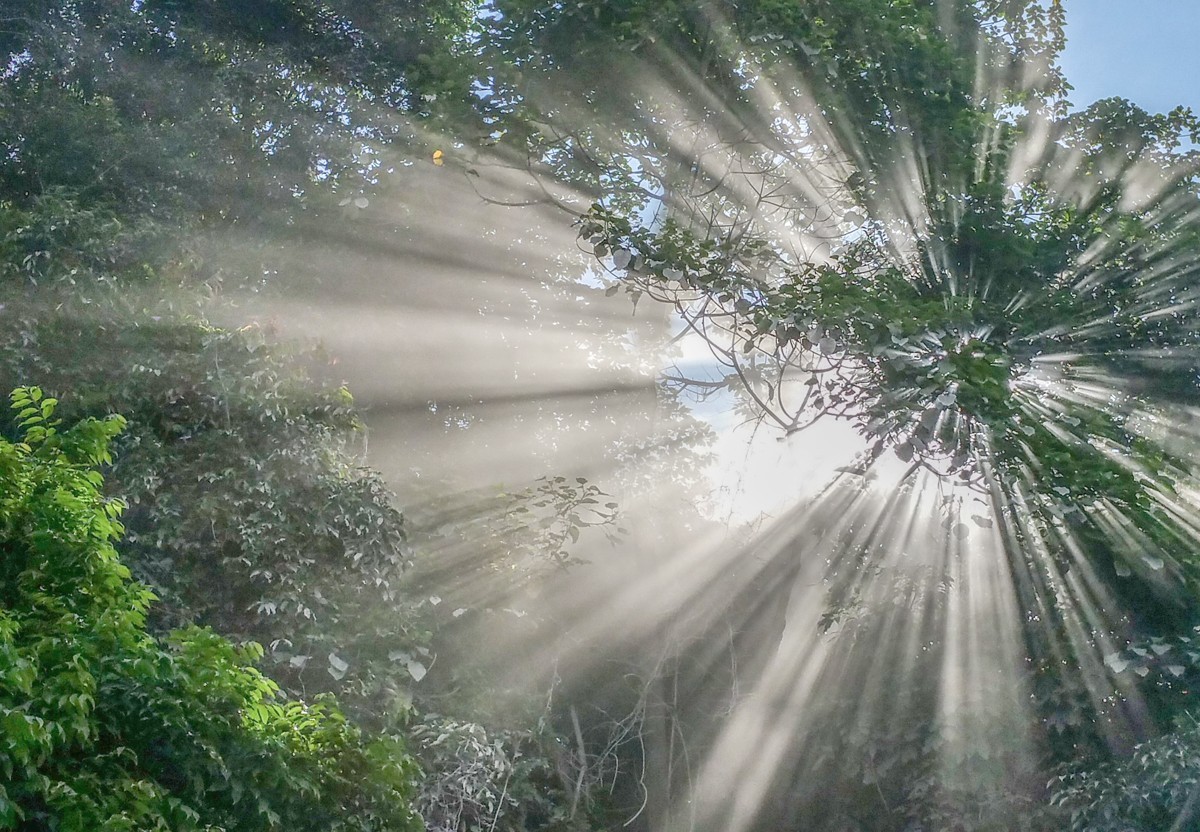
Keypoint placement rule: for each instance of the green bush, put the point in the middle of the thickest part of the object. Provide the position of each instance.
(107, 728)
(1155, 787)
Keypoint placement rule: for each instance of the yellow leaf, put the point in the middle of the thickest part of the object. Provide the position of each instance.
(439, 158)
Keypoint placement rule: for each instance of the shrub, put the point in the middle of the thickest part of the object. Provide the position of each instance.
(107, 728)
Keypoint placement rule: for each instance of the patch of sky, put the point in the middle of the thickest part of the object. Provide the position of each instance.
(1142, 50)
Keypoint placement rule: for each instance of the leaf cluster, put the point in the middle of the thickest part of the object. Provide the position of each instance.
(106, 727)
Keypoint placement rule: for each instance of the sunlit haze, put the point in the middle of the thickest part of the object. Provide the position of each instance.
(790, 409)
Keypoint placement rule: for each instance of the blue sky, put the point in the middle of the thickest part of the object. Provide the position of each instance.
(1145, 50)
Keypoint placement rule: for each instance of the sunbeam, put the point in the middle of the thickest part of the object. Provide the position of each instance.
(692, 416)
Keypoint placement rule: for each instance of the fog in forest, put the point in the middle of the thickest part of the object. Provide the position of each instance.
(708, 416)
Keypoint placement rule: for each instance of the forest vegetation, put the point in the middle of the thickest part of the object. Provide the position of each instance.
(216, 615)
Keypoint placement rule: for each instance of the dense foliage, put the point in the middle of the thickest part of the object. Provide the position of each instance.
(221, 111)
(108, 727)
